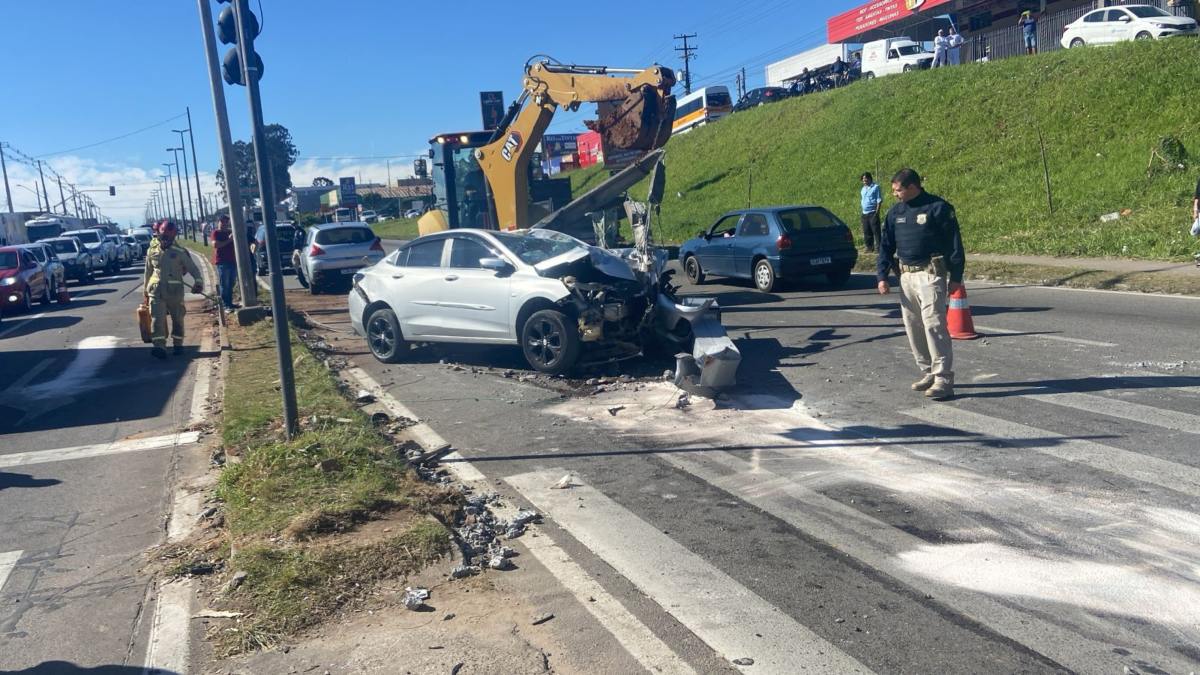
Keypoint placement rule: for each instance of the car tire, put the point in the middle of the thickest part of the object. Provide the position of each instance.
(764, 276)
(302, 280)
(1143, 36)
(384, 338)
(868, 76)
(26, 301)
(550, 342)
(908, 67)
(1077, 42)
(114, 267)
(313, 288)
(838, 278)
(693, 271)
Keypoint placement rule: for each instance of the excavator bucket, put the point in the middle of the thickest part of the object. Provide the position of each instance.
(642, 121)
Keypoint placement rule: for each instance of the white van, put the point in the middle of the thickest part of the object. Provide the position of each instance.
(893, 55)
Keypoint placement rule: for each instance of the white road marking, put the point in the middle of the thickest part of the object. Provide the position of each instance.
(167, 651)
(641, 643)
(1056, 338)
(1136, 465)
(724, 614)
(97, 450)
(422, 433)
(8, 561)
(1104, 290)
(1126, 410)
(883, 547)
(867, 312)
(20, 323)
(20, 383)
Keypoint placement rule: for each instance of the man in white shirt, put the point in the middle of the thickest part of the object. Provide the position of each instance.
(941, 46)
(956, 42)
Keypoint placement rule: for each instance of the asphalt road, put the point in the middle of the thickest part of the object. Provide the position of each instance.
(1044, 521)
(87, 453)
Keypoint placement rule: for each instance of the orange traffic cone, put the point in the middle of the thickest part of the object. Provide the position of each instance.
(958, 316)
(63, 295)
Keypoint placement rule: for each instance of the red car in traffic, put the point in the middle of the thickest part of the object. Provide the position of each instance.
(22, 280)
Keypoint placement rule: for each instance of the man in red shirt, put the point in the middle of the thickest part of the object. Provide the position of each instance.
(225, 259)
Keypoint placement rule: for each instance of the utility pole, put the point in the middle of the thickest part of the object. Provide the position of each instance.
(247, 281)
(45, 193)
(7, 191)
(688, 55)
(170, 197)
(187, 181)
(179, 183)
(741, 83)
(266, 189)
(75, 199)
(199, 196)
(63, 203)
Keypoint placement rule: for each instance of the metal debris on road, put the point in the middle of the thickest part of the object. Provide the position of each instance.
(743, 662)
(363, 397)
(615, 409)
(414, 598)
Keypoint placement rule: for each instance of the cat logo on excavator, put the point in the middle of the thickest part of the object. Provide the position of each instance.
(511, 145)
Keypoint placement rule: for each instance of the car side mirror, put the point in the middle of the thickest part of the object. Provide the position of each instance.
(703, 234)
(497, 265)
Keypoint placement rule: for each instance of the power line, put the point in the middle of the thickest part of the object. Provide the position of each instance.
(114, 138)
(688, 55)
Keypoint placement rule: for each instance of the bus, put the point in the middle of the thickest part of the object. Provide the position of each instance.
(48, 226)
(701, 107)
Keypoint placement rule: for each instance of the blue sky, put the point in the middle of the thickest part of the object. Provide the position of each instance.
(355, 78)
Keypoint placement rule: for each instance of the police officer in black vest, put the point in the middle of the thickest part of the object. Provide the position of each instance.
(922, 230)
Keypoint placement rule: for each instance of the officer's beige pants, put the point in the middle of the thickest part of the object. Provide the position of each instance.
(923, 298)
(166, 299)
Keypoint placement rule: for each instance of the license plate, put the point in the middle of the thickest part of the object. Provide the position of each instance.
(349, 270)
(820, 261)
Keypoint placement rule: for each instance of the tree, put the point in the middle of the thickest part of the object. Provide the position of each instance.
(322, 181)
(281, 153)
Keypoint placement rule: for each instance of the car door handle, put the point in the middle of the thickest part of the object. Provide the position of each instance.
(451, 277)
(397, 276)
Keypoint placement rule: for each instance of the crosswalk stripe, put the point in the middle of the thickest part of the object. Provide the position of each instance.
(720, 611)
(8, 561)
(97, 450)
(1126, 410)
(1146, 468)
(882, 547)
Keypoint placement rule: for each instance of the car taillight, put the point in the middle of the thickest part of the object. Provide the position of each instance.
(315, 250)
(783, 243)
(377, 245)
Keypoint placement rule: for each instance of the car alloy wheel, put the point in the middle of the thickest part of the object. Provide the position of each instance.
(549, 344)
(1143, 36)
(691, 268)
(383, 336)
(764, 276)
(1077, 42)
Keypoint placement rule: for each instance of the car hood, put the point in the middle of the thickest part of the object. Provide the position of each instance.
(605, 262)
(64, 257)
(1172, 20)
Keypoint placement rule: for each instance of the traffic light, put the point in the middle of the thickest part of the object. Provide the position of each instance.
(112, 191)
(228, 34)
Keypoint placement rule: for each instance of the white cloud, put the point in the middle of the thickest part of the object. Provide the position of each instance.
(305, 170)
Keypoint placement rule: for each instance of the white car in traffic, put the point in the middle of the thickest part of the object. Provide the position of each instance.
(1130, 22)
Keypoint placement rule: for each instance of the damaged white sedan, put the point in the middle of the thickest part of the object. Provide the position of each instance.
(565, 303)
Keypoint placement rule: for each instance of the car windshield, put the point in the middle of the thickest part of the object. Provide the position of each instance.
(718, 99)
(38, 252)
(799, 220)
(63, 246)
(908, 50)
(345, 235)
(8, 260)
(88, 237)
(1146, 12)
(537, 245)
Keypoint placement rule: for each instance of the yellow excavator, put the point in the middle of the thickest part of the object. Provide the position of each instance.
(482, 179)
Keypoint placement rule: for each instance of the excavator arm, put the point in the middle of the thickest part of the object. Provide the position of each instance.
(636, 112)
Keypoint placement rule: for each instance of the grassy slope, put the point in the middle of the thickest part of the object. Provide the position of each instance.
(972, 132)
(396, 228)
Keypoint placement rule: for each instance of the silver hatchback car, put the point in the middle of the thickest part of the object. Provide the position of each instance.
(333, 252)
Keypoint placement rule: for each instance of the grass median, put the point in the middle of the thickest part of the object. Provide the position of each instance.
(300, 512)
(396, 228)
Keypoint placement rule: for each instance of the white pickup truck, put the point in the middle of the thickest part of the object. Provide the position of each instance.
(893, 55)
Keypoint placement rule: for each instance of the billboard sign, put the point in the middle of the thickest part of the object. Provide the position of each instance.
(847, 26)
(491, 103)
(557, 145)
(347, 193)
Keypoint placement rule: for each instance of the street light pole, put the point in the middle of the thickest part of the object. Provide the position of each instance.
(183, 214)
(187, 180)
(7, 191)
(170, 197)
(199, 195)
(266, 189)
(45, 193)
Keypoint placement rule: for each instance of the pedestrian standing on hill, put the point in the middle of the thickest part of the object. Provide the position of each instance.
(923, 230)
(225, 260)
(871, 199)
(1028, 25)
(1196, 216)
(956, 42)
(941, 47)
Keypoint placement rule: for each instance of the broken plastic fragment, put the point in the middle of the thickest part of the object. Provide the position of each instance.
(414, 598)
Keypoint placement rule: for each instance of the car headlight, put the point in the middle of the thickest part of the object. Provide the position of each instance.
(8, 281)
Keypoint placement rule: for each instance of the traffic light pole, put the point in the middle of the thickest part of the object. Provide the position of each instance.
(266, 189)
(247, 282)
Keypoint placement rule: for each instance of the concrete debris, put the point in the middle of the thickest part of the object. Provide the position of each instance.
(541, 618)
(525, 516)
(464, 571)
(414, 598)
(207, 513)
(514, 531)
(236, 581)
(743, 662)
(498, 562)
(363, 397)
(215, 614)
(564, 483)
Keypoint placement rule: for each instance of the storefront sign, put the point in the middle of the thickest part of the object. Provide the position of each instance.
(848, 25)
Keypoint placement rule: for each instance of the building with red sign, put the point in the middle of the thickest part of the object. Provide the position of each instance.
(989, 26)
